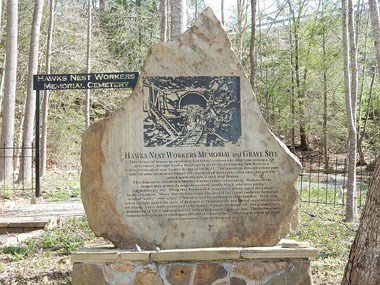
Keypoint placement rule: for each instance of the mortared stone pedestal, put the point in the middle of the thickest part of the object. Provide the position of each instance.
(276, 265)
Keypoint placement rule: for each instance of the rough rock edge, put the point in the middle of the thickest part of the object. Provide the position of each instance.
(93, 137)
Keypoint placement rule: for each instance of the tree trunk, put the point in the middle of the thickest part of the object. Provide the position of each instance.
(363, 132)
(88, 63)
(292, 111)
(45, 103)
(3, 70)
(1, 24)
(238, 27)
(102, 13)
(375, 22)
(351, 210)
(7, 127)
(353, 58)
(325, 117)
(300, 95)
(178, 18)
(363, 265)
(2, 84)
(163, 20)
(102, 7)
(222, 11)
(252, 50)
(139, 20)
(242, 24)
(196, 9)
(30, 106)
(351, 206)
(325, 92)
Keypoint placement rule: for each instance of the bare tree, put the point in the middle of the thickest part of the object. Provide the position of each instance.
(252, 50)
(7, 127)
(362, 129)
(222, 11)
(375, 22)
(3, 71)
(2, 82)
(178, 18)
(102, 6)
(296, 14)
(363, 262)
(325, 116)
(242, 25)
(45, 103)
(88, 62)
(163, 20)
(196, 9)
(30, 106)
(350, 70)
(363, 132)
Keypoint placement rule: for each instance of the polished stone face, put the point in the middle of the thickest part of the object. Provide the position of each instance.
(188, 161)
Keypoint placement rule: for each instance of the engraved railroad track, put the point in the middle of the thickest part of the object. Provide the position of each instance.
(192, 138)
(161, 120)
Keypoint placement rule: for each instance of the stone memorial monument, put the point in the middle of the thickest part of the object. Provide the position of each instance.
(186, 179)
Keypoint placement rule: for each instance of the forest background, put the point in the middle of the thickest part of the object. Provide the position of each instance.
(305, 59)
(299, 67)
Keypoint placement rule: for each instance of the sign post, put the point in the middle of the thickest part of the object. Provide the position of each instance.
(70, 82)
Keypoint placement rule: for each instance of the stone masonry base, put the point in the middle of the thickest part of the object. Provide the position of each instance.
(208, 266)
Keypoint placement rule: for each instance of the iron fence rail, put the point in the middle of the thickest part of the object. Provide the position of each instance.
(319, 184)
(316, 184)
(15, 185)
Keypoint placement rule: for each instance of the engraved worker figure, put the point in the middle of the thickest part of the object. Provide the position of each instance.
(192, 111)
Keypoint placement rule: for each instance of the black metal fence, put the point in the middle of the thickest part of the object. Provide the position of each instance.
(317, 183)
(327, 185)
(13, 183)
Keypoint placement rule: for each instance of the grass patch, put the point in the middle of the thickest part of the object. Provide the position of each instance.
(17, 253)
(45, 260)
(56, 186)
(324, 228)
(61, 187)
(68, 239)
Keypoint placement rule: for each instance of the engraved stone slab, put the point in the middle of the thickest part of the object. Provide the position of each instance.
(188, 161)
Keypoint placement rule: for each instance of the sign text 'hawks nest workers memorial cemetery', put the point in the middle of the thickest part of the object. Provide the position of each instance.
(85, 81)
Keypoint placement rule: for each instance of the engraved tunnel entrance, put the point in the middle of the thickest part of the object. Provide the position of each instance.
(193, 98)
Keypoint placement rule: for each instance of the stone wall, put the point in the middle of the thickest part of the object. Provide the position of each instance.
(217, 266)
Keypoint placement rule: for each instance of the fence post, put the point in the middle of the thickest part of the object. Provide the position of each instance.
(3, 167)
(310, 162)
(344, 182)
(359, 182)
(335, 177)
(38, 193)
(318, 173)
(301, 186)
